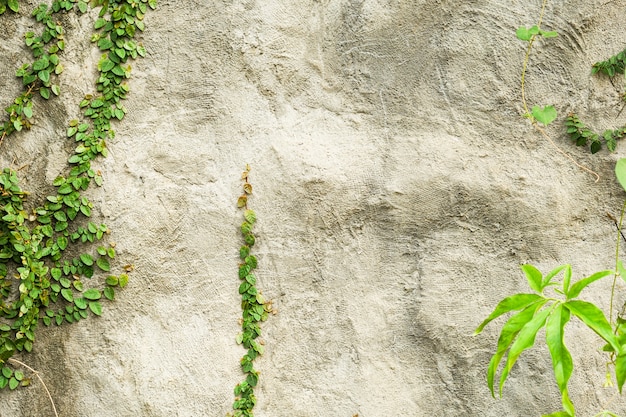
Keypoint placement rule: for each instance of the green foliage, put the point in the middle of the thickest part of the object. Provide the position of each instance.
(534, 311)
(581, 135)
(43, 268)
(544, 115)
(576, 129)
(527, 34)
(12, 5)
(254, 309)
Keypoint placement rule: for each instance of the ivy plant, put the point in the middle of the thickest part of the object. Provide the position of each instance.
(49, 253)
(255, 308)
(578, 132)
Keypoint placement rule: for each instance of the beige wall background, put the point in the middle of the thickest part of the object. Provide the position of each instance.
(397, 189)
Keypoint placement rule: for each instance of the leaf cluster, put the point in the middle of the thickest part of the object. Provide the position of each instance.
(13, 5)
(39, 252)
(534, 311)
(528, 34)
(581, 135)
(614, 65)
(254, 309)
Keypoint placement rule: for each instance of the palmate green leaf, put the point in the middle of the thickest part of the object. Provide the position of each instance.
(524, 340)
(534, 277)
(512, 303)
(575, 290)
(508, 333)
(594, 318)
(562, 363)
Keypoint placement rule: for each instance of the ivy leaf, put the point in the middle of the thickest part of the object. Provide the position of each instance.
(250, 216)
(13, 5)
(545, 115)
(92, 294)
(96, 308)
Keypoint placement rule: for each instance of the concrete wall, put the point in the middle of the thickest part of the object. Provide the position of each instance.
(397, 189)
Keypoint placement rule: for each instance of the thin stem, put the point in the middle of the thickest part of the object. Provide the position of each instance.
(619, 235)
(40, 380)
(525, 105)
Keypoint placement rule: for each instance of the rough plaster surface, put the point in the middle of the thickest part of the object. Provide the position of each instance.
(397, 188)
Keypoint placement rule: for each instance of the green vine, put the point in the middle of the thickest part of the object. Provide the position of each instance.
(13, 5)
(41, 267)
(553, 302)
(578, 132)
(254, 306)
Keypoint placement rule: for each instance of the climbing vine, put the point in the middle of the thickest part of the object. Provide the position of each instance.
(42, 266)
(578, 132)
(254, 308)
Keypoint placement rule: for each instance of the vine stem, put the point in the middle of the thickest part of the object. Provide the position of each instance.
(619, 235)
(40, 380)
(525, 104)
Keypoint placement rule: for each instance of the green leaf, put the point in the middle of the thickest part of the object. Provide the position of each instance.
(549, 34)
(526, 34)
(250, 216)
(44, 76)
(512, 303)
(13, 383)
(96, 308)
(621, 270)
(562, 363)
(524, 340)
(594, 318)
(509, 332)
(545, 115)
(107, 65)
(534, 277)
(13, 5)
(580, 285)
(67, 294)
(103, 263)
(109, 293)
(558, 414)
(620, 371)
(92, 294)
(553, 273)
(123, 280)
(620, 172)
(81, 303)
(86, 259)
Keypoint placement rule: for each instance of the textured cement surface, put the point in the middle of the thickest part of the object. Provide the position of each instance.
(397, 188)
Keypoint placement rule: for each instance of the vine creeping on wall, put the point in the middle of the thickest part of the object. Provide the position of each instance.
(42, 269)
(254, 308)
(578, 132)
